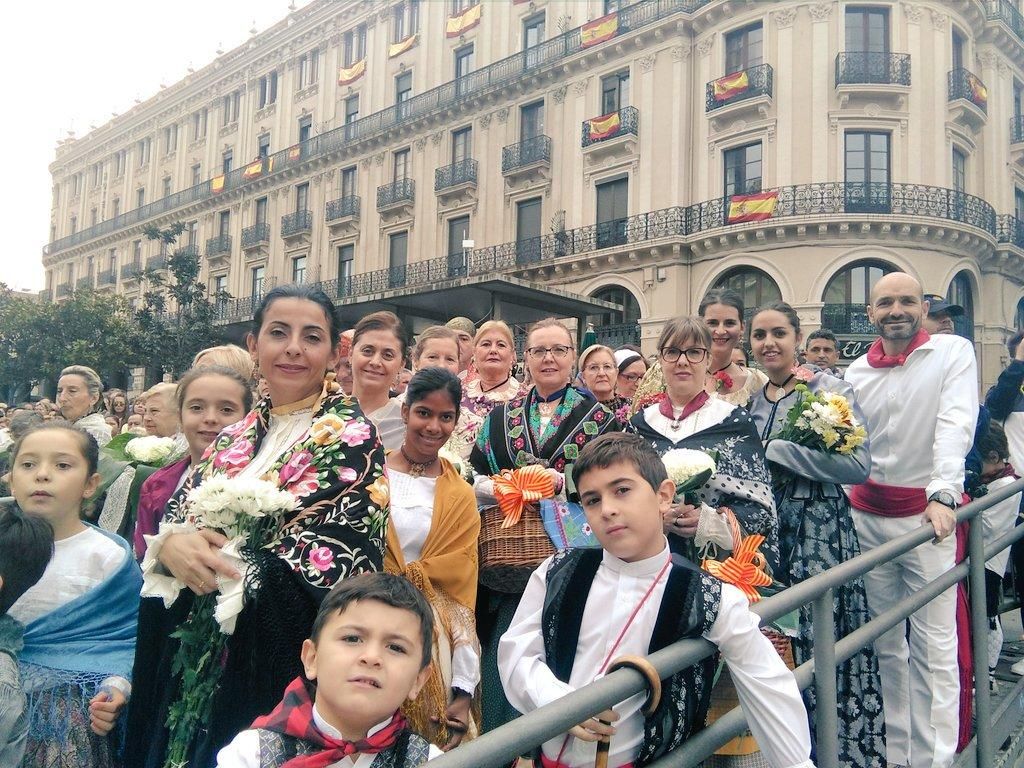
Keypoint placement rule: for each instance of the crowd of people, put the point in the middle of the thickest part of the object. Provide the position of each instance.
(461, 536)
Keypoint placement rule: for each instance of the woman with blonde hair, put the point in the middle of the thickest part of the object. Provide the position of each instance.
(227, 356)
(80, 401)
(378, 352)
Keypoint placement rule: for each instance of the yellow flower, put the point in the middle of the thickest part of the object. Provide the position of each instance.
(842, 407)
(380, 492)
(831, 437)
(327, 429)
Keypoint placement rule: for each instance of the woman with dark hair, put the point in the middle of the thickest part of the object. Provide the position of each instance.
(816, 530)
(315, 443)
(80, 400)
(117, 406)
(631, 367)
(722, 311)
(378, 352)
(432, 540)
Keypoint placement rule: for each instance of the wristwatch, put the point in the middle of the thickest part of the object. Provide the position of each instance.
(945, 498)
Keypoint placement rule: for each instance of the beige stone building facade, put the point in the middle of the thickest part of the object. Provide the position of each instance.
(442, 158)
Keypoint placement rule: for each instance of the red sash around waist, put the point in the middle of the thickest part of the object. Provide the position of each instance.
(888, 500)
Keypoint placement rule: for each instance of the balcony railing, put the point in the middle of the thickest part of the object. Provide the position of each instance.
(1017, 129)
(459, 172)
(342, 207)
(507, 71)
(527, 152)
(401, 191)
(220, 245)
(847, 318)
(739, 86)
(191, 250)
(296, 223)
(616, 334)
(872, 67)
(1010, 229)
(84, 282)
(106, 277)
(1007, 12)
(964, 84)
(64, 289)
(131, 270)
(156, 262)
(598, 129)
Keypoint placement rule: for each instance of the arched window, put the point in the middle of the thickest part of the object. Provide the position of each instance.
(616, 328)
(847, 295)
(960, 293)
(755, 286)
(1018, 319)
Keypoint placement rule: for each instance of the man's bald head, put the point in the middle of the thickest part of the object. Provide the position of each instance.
(897, 283)
(897, 307)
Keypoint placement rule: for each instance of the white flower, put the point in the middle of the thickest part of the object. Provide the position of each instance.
(150, 449)
(223, 502)
(461, 465)
(684, 464)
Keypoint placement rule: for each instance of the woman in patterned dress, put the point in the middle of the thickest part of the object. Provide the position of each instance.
(816, 530)
(311, 440)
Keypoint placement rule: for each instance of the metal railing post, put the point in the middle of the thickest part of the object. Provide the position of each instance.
(984, 752)
(826, 706)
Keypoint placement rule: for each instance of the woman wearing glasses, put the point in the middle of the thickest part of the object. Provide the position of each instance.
(548, 425)
(631, 366)
(600, 375)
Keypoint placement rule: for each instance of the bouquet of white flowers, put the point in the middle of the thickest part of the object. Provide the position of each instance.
(462, 466)
(689, 470)
(150, 450)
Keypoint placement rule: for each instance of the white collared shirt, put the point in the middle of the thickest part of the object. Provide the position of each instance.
(244, 749)
(773, 704)
(921, 415)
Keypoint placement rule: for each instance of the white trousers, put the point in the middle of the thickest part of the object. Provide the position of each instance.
(920, 681)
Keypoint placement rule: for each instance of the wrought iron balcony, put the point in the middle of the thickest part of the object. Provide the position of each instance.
(221, 245)
(625, 121)
(64, 289)
(156, 262)
(106, 277)
(1006, 11)
(847, 318)
(872, 67)
(401, 192)
(191, 250)
(297, 223)
(1017, 129)
(1010, 229)
(964, 84)
(454, 175)
(526, 153)
(131, 270)
(739, 86)
(342, 208)
(615, 335)
(83, 283)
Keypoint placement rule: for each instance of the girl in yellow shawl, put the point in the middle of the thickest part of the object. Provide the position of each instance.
(432, 540)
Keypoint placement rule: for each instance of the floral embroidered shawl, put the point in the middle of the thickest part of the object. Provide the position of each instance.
(336, 470)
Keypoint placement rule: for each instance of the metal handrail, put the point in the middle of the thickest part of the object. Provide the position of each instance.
(964, 84)
(629, 123)
(502, 745)
(535, 149)
(220, 244)
(1017, 129)
(872, 67)
(459, 172)
(400, 191)
(342, 207)
(1010, 229)
(760, 82)
(296, 222)
(1006, 11)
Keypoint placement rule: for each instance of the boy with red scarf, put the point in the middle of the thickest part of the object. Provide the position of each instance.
(919, 395)
(369, 652)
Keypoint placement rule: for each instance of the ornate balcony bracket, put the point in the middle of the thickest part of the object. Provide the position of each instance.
(342, 215)
(297, 227)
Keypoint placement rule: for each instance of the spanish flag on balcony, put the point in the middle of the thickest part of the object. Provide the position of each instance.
(466, 20)
(294, 153)
(217, 184)
(979, 93)
(757, 207)
(401, 47)
(252, 170)
(599, 30)
(602, 127)
(348, 75)
(724, 88)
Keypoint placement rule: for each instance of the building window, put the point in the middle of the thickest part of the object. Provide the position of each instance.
(405, 20)
(756, 287)
(170, 139)
(309, 69)
(959, 171)
(192, 230)
(261, 211)
(351, 109)
(403, 90)
(848, 293)
(346, 258)
(612, 211)
(398, 258)
(120, 162)
(867, 171)
(305, 128)
(258, 274)
(629, 314)
(348, 182)
(1018, 99)
(960, 293)
(400, 170)
(463, 61)
(263, 146)
(533, 31)
(231, 104)
(267, 90)
(136, 251)
(742, 169)
(531, 120)
(73, 224)
(113, 260)
(1018, 208)
(958, 45)
(140, 197)
(219, 289)
(167, 187)
(199, 123)
(610, 6)
(227, 160)
(93, 217)
(76, 185)
(458, 6)
(354, 45)
(115, 207)
(458, 231)
(744, 48)
(144, 147)
(97, 174)
(224, 223)
(302, 197)
(462, 144)
(867, 30)
(197, 174)
(614, 92)
(299, 270)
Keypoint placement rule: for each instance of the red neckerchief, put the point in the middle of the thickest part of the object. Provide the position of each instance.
(294, 717)
(878, 359)
(1006, 471)
(667, 410)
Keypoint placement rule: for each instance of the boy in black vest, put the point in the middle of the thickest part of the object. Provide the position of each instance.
(369, 651)
(585, 608)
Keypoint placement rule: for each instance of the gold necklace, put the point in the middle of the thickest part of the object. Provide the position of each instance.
(416, 468)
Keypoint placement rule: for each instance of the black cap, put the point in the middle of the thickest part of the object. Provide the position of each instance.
(937, 305)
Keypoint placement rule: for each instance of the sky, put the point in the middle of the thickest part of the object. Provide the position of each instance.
(69, 65)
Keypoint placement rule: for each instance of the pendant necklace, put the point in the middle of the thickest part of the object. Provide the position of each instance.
(416, 468)
(780, 389)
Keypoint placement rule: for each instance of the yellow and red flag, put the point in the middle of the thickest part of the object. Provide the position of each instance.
(348, 75)
(466, 20)
(599, 30)
(294, 153)
(725, 88)
(252, 170)
(602, 127)
(397, 49)
(979, 93)
(756, 207)
(217, 184)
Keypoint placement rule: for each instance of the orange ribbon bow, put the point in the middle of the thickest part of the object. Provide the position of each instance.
(743, 569)
(516, 488)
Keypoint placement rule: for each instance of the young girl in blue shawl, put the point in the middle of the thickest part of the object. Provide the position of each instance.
(80, 618)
